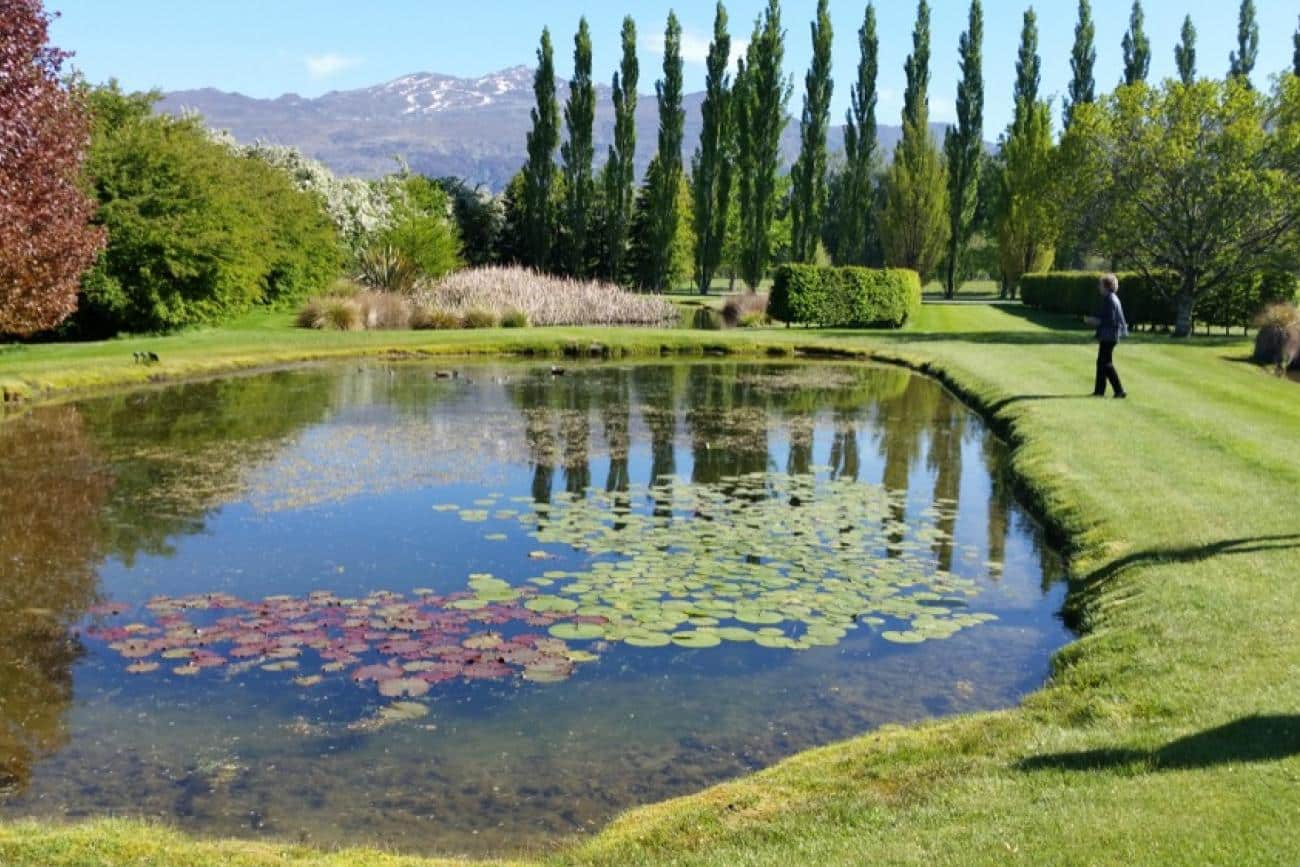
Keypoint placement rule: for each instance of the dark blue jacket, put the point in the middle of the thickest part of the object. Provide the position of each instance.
(1112, 326)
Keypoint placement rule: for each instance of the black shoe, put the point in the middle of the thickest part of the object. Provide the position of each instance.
(1099, 394)
(1121, 395)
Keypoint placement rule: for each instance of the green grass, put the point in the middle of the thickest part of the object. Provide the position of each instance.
(1169, 732)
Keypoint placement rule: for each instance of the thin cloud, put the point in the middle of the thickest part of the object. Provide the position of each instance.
(695, 47)
(328, 65)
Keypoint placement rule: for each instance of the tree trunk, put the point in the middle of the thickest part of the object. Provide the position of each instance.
(1183, 316)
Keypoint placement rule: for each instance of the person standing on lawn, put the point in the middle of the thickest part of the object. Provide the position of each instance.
(1111, 327)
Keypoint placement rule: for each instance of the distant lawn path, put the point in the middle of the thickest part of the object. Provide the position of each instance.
(1170, 731)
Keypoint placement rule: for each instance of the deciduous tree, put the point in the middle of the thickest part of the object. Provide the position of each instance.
(578, 152)
(808, 200)
(1185, 52)
(538, 210)
(761, 94)
(46, 239)
(711, 165)
(662, 185)
(620, 172)
(914, 223)
(856, 206)
(1137, 47)
(963, 147)
(1242, 61)
(1083, 58)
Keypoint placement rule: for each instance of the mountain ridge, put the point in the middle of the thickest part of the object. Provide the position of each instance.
(439, 124)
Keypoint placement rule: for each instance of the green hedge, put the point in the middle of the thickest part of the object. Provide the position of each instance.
(1150, 303)
(1147, 302)
(844, 297)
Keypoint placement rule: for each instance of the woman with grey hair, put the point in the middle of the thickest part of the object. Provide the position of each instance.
(1111, 328)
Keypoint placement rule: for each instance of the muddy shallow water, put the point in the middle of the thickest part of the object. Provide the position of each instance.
(375, 604)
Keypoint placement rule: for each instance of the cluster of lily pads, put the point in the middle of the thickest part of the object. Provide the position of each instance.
(402, 646)
(783, 561)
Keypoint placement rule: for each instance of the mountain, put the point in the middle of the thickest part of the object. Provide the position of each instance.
(473, 128)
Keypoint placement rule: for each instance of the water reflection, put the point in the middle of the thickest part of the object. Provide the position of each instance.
(324, 478)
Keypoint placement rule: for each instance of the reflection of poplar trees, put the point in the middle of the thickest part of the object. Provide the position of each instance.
(943, 459)
(52, 538)
(657, 398)
(999, 511)
(902, 419)
(575, 427)
(799, 460)
(727, 420)
(845, 460)
(615, 413)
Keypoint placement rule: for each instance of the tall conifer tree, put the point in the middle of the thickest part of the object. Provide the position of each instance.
(539, 171)
(578, 152)
(963, 146)
(620, 171)
(1185, 52)
(711, 165)
(857, 205)
(1137, 47)
(1083, 87)
(808, 195)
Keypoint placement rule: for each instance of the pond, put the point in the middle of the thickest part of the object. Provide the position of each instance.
(482, 609)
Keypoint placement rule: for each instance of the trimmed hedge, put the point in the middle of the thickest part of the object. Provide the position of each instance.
(844, 297)
(1146, 302)
(1150, 303)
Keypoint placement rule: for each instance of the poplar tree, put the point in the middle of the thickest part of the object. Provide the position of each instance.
(1242, 61)
(808, 196)
(1024, 217)
(761, 95)
(578, 152)
(539, 171)
(711, 165)
(1295, 57)
(1185, 52)
(963, 146)
(1083, 87)
(620, 171)
(857, 203)
(914, 223)
(665, 174)
(1137, 47)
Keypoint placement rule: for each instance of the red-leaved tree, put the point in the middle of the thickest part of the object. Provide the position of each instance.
(46, 239)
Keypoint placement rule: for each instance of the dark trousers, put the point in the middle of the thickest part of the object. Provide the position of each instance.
(1106, 369)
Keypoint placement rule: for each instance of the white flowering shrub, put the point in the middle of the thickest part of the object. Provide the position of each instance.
(544, 299)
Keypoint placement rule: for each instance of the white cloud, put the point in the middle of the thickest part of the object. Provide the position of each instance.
(330, 64)
(695, 47)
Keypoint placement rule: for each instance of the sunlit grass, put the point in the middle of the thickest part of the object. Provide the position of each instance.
(1170, 732)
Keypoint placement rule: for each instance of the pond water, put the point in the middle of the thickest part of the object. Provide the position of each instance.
(381, 604)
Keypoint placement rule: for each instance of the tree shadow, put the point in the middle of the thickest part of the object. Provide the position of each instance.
(1259, 738)
(1084, 586)
(1192, 554)
(998, 405)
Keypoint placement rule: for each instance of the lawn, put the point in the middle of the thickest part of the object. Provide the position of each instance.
(1169, 732)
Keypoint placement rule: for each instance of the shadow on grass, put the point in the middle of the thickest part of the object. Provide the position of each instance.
(1247, 545)
(1083, 588)
(1249, 739)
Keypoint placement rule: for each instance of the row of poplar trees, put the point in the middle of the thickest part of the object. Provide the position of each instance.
(919, 212)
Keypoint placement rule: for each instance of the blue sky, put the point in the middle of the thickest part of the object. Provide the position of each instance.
(270, 47)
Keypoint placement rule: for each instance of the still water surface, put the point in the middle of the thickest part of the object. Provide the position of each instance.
(354, 604)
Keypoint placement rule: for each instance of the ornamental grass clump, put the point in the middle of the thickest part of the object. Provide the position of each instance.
(543, 299)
